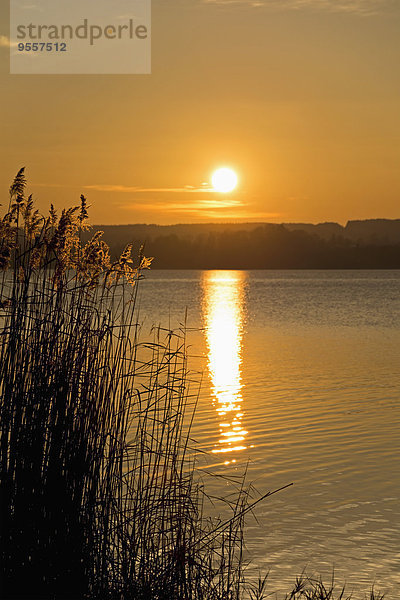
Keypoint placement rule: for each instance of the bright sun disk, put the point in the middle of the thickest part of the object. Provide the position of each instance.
(224, 180)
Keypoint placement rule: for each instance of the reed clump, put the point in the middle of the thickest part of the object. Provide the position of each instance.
(99, 498)
(98, 494)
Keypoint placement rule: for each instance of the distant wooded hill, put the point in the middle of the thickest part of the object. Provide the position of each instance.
(369, 244)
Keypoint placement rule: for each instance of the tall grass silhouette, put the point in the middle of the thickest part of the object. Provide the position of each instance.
(99, 494)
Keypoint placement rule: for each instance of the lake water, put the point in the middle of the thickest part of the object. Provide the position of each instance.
(302, 383)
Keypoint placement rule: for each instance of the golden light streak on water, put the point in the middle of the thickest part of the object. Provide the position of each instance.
(223, 314)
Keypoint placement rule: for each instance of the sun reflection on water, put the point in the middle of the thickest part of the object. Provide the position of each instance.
(223, 313)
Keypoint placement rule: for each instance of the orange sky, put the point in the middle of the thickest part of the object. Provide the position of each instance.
(301, 98)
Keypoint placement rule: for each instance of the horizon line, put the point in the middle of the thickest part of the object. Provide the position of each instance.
(219, 223)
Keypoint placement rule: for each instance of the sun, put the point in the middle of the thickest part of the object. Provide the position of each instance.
(224, 180)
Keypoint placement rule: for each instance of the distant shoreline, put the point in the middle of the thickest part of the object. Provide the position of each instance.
(373, 244)
(153, 268)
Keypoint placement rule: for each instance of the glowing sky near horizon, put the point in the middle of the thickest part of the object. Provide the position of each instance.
(301, 98)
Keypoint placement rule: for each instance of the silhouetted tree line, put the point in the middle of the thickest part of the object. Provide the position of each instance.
(267, 246)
